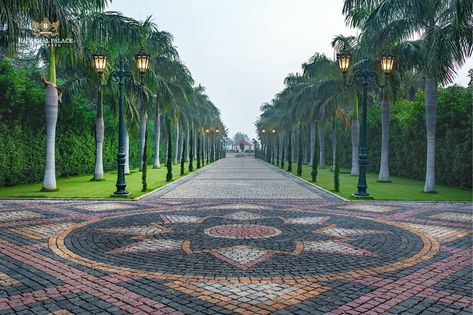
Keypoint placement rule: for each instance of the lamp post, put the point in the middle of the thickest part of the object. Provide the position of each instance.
(100, 64)
(264, 146)
(254, 146)
(207, 132)
(224, 147)
(277, 147)
(273, 147)
(366, 76)
(120, 75)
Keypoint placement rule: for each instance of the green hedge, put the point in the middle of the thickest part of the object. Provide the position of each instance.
(407, 155)
(22, 131)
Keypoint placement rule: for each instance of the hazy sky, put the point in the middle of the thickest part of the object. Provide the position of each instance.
(241, 50)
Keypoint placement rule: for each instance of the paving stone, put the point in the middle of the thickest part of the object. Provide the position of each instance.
(238, 237)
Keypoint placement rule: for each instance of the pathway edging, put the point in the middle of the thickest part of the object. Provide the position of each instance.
(305, 182)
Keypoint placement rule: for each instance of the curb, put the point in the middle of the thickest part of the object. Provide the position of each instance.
(194, 173)
(105, 199)
(166, 186)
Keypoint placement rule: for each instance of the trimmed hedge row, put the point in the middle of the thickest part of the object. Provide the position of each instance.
(22, 131)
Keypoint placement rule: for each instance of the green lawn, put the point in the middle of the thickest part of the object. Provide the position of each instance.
(82, 187)
(399, 189)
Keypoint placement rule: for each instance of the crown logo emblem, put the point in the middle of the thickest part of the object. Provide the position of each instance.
(45, 28)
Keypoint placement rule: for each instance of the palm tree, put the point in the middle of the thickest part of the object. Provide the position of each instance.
(103, 29)
(68, 26)
(445, 31)
(157, 136)
(75, 20)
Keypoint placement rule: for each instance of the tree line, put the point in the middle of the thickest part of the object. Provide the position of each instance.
(177, 110)
(430, 39)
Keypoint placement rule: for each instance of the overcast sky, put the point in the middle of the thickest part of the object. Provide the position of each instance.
(241, 50)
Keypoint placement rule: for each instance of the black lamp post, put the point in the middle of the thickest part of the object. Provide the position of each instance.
(366, 76)
(264, 146)
(120, 75)
(273, 147)
(224, 147)
(276, 136)
(207, 133)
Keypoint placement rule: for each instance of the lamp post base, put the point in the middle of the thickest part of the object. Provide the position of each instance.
(362, 196)
(121, 192)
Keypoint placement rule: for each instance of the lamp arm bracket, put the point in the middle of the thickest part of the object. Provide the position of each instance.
(375, 77)
(349, 81)
(117, 75)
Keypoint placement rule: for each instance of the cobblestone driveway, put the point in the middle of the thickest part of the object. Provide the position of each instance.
(302, 252)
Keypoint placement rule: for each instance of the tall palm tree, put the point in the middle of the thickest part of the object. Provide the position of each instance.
(445, 38)
(15, 18)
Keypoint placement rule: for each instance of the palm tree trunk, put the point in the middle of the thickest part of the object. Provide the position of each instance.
(191, 148)
(194, 141)
(183, 156)
(289, 152)
(198, 150)
(157, 139)
(312, 140)
(170, 151)
(127, 152)
(145, 164)
(188, 142)
(336, 164)
(431, 94)
(385, 121)
(321, 146)
(299, 153)
(334, 142)
(176, 140)
(143, 120)
(202, 149)
(355, 141)
(51, 108)
(315, 161)
(99, 136)
(283, 151)
(307, 146)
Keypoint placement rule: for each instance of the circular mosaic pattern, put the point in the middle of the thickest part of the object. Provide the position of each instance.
(259, 244)
(239, 231)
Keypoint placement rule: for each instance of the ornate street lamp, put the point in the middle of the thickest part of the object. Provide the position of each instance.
(142, 61)
(120, 76)
(366, 76)
(387, 63)
(100, 62)
(344, 58)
